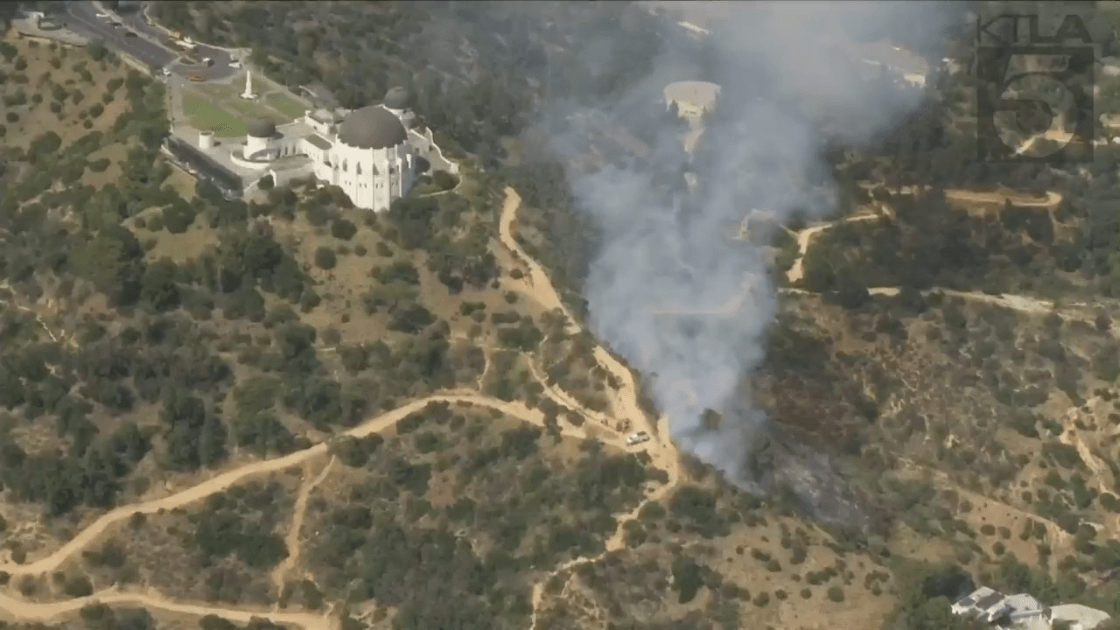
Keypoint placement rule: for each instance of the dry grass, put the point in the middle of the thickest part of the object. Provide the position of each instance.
(36, 119)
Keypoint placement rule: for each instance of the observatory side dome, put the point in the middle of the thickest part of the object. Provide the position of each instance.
(396, 98)
(372, 127)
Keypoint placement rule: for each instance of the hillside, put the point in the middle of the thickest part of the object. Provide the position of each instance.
(291, 413)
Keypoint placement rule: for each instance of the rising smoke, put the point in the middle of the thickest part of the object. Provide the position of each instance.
(791, 79)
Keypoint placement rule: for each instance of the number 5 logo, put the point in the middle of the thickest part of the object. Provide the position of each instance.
(1033, 97)
(1033, 104)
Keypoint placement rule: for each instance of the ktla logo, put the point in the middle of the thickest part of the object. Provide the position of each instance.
(1034, 91)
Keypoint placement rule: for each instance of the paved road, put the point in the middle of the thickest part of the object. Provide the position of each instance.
(220, 71)
(81, 17)
(143, 41)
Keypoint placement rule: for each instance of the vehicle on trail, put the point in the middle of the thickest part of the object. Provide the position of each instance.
(638, 438)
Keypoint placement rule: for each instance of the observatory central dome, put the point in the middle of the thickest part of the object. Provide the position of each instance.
(372, 127)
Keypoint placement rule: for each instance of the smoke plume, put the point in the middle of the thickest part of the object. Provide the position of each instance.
(670, 289)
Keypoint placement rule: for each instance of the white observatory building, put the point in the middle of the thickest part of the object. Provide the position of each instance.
(370, 153)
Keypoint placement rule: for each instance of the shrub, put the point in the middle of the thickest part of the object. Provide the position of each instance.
(177, 217)
(325, 258)
(836, 594)
(343, 229)
(444, 180)
(78, 586)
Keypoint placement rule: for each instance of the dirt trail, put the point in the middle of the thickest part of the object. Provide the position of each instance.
(563, 397)
(52, 611)
(29, 311)
(615, 543)
(539, 287)
(225, 480)
(1052, 198)
(280, 573)
(662, 451)
(1020, 303)
(1102, 475)
(1056, 534)
(805, 236)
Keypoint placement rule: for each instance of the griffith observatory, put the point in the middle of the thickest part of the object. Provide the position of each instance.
(371, 153)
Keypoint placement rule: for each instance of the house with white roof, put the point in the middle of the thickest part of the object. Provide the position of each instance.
(1024, 612)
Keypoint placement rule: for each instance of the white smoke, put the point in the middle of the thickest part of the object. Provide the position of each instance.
(785, 68)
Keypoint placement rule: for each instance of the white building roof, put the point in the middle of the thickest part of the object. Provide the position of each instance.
(699, 94)
(1088, 618)
(969, 602)
(1023, 603)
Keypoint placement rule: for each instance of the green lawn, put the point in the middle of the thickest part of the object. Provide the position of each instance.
(221, 91)
(285, 104)
(206, 116)
(252, 111)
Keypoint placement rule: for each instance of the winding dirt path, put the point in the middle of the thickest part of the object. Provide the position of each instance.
(54, 611)
(1054, 532)
(1052, 198)
(225, 480)
(44, 612)
(539, 287)
(662, 450)
(615, 543)
(1020, 303)
(805, 236)
(291, 540)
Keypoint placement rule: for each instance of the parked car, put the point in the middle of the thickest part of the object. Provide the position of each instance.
(638, 438)
(235, 63)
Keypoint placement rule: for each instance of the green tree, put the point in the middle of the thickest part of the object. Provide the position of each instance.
(325, 258)
(158, 286)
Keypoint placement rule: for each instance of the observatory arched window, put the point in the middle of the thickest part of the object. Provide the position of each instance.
(344, 166)
(357, 168)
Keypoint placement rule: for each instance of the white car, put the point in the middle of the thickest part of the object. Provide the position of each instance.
(235, 64)
(103, 16)
(167, 72)
(637, 438)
